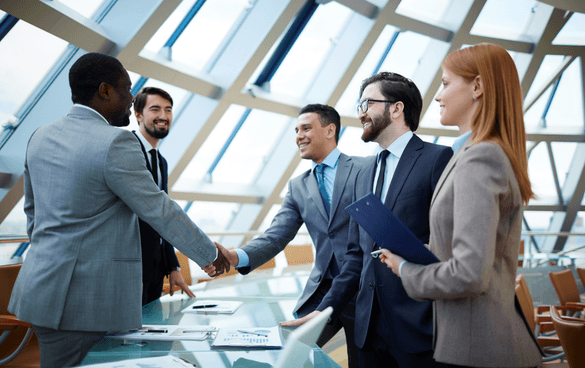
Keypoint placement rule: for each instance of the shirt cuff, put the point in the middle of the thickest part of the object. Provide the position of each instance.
(243, 259)
(400, 268)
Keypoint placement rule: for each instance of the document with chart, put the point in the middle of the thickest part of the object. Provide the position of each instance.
(167, 361)
(166, 333)
(213, 307)
(249, 337)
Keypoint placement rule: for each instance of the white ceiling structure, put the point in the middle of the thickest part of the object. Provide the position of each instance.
(240, 70)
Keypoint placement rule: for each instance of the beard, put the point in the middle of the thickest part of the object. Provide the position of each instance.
(155, 132)
(378, 124)
(121, 121)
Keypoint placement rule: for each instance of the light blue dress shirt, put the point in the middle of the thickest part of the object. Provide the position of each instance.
(329, 172)
(460, 140)
(396, 149)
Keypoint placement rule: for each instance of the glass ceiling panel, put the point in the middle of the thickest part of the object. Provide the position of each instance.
(298, 69)
(84, 7)
(538, 221)
(204, 33)
(563, 153)
(303, 166)
(201, 162)
(567, 105)
(347, 103)
(197, 43)
(15, 222)
(533, 116)
(541, 176)
(21, 72)
(248, 152)
(212, 216)
(573, 32)
(429, 11)
(504, 19)
(351, 143)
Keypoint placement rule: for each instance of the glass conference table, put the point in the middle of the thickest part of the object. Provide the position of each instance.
(268, 296)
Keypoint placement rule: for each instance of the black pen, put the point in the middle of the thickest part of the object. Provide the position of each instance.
(157, 331)
(204, 306)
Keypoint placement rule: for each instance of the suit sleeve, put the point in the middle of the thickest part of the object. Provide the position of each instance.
(282, 230)
(126, 175)
(479, 182)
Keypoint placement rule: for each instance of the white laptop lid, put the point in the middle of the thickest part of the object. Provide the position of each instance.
(301, 341)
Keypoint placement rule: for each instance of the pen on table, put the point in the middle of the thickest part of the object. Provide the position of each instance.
(157, 331)
(253, 333)
(204, 306)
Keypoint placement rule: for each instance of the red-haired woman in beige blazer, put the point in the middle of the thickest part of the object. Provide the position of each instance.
(476, 218)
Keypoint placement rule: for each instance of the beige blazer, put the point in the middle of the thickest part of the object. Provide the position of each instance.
(475, 221)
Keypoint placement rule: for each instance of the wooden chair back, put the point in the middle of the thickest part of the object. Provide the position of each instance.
(581, 273)
(525, 299)
(571, 333)
(565, 286)
(21, 347)
(521, 252)
(185, 272)
(299, 254)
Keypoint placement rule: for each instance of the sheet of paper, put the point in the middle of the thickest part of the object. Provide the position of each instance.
(213, 307)
(166, 333)
(388, 231)
(167, 361)
(252, 337)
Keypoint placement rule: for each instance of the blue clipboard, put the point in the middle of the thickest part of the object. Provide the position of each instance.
(388, 231)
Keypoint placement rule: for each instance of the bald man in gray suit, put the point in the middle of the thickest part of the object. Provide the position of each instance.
(85, 185)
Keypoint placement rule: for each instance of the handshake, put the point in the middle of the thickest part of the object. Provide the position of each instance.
(225, 258)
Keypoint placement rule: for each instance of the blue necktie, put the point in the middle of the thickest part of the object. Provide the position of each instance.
(321, 181)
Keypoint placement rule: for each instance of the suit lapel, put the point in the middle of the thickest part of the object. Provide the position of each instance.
(315, 194)
(448, 169)
(344, 167)
(407, 160)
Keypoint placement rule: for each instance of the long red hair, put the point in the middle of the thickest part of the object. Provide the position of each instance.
(500, 117)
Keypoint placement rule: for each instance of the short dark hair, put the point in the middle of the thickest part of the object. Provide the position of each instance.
(327, 114)
(140, 98)
(89, 72)
(395, 87)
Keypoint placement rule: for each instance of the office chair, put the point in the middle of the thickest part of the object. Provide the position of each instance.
(18, 345)
(571, 332)
(566, 288)
(299, 254)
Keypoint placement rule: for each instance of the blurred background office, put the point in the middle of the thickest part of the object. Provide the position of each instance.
(239, 70)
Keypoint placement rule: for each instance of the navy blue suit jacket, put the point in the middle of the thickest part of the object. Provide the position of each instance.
(163, 257)
(409, 196)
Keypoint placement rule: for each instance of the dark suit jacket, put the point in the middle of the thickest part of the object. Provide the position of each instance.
(303, 203)
(156, 254)
(409, 196)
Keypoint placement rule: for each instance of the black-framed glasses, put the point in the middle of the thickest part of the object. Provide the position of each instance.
(363, 106)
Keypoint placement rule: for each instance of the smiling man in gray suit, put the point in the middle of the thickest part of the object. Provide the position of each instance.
(318, 198)
(85, 184)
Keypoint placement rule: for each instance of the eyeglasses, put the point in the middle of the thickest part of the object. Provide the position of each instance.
(363, 106)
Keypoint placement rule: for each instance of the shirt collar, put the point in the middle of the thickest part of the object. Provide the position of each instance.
(399, 145)
(459, 141)
(147, 145)
(331, 159)
(90, 109)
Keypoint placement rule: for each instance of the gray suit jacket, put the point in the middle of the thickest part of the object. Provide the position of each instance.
(475, 221)
(85, 183)
(303, 203)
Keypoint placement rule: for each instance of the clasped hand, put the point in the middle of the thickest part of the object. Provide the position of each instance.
(225, 259)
